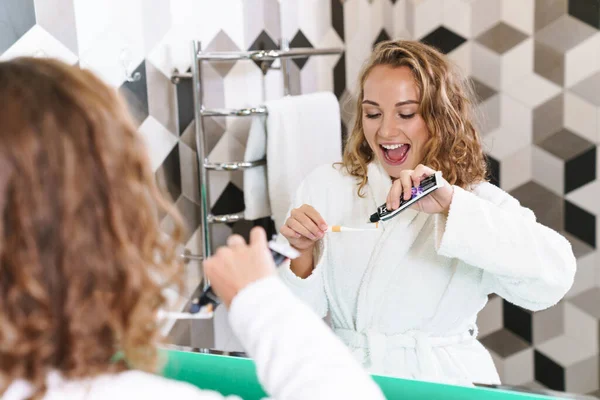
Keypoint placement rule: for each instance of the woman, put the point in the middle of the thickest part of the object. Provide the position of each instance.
(405, 297)
(83, 262)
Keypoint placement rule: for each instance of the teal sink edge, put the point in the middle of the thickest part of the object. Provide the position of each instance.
(235, 375)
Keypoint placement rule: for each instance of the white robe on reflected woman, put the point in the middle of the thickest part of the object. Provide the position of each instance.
(405, 297)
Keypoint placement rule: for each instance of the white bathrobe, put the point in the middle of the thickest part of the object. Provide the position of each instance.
(405, 297)
(296, 356)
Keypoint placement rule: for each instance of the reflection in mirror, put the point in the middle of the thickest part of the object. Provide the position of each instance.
(404, 296)
(448, 281)
(432, 293)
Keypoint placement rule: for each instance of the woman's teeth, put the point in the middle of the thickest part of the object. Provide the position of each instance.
(391, 146)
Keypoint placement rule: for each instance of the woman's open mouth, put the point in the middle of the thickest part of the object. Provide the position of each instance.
(395, 154)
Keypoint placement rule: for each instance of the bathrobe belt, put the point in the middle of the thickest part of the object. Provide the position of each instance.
(377, 345)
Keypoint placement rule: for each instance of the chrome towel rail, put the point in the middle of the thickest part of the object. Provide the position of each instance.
(198, 56)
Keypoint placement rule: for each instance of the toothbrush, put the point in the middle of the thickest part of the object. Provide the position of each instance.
(208, 301)
(340, 228)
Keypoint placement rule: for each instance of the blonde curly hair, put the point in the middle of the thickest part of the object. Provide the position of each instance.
(447, 105)
(83, 261)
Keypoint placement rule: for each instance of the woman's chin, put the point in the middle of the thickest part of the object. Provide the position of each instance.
(394, 170)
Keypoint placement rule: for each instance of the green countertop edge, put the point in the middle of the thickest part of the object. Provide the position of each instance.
(234, 375)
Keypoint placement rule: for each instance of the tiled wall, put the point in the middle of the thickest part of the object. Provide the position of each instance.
(535, 63)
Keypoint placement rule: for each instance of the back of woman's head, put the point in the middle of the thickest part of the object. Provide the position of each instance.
(82, 259)
(447, 105)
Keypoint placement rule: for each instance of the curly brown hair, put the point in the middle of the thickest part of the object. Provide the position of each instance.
(447, 106)
(83, 261)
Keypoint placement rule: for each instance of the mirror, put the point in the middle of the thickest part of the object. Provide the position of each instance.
(423, 296)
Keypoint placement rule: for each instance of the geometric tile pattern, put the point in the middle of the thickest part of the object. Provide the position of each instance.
(534, 64)
(11, 29)
(443, 39)
(501, 38)
(554, 172)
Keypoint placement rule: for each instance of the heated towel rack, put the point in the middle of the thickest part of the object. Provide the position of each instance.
(284, 54)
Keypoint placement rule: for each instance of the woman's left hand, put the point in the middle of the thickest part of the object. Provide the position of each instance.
(436, 202)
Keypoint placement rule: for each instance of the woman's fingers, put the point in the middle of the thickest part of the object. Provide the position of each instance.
(403, 186)
(315, 216)
(258, 236)
(407, 185)
(304, 227)
(299, 227)
(301, 217)
(420, 172)
(289, 232)
(235, 240)
(393, 199)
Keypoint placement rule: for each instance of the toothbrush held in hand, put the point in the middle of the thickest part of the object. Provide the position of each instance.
(203, 306)
(340, 228)
(208, 301)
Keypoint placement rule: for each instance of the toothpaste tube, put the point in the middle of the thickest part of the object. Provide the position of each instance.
(426, 186)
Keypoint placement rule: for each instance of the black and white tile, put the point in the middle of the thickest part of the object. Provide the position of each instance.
(535, 66)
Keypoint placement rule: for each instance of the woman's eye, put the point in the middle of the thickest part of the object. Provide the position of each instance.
(377, 115)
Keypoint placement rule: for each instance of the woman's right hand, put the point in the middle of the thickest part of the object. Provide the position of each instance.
(237, 265)
(304, 228)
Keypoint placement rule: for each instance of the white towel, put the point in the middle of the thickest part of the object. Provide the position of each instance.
(256, 194)
(301, 133)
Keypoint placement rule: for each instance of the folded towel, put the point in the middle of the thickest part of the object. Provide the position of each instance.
(302, 133)
(256, 194)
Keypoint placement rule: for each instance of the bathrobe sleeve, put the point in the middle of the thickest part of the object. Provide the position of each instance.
(297, 356)
(312, 289)
(526, 263)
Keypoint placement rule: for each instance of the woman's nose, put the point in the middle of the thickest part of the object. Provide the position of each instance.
(388, 128)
